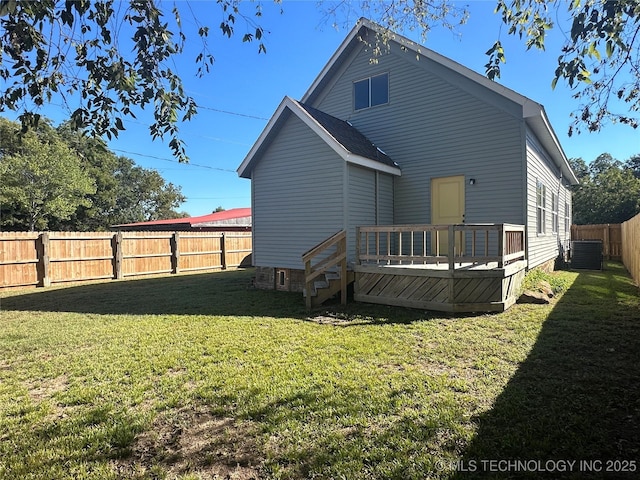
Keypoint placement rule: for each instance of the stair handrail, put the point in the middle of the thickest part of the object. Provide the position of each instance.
(339, 257)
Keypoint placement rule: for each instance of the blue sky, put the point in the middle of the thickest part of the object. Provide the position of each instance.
(251, 85)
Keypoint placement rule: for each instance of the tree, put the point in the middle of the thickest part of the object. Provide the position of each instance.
(633, 164)
(43, 181)
(219, 209)
(100, 163)
(124, 192)
(116, 57)
(139, 195)
(599, 60)
(608, 191)
(121, 59)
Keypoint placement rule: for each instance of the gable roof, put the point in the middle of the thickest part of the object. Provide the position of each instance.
(532, 112)
(348, 136)
(351, 145)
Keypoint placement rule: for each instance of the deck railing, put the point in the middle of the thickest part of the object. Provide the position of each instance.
(336, 259)
(460, 244)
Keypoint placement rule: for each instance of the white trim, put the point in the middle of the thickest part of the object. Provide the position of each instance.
(425, 52)
(334, 58)
(565, 167)
(372, 164)
(319, 130)
(272, 121)
(531, 110)
(370, 86)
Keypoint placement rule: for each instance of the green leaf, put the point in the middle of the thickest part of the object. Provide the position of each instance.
(609, 48)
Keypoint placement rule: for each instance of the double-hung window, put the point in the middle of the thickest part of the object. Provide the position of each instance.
(371, 91)
(541, 193)
(567, 218)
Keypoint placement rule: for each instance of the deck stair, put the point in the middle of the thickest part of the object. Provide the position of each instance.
(326, 270)
(327, 286)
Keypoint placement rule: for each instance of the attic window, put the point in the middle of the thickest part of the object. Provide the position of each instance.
(371, 91)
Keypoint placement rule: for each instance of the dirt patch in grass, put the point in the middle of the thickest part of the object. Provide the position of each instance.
(330, 318)
(195, 442)
(47, 388)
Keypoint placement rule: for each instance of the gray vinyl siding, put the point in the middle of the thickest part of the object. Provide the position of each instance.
(385, 200)
(369, 201)
(543, 247)
(361, 203)
(436, 124)
(297, 191)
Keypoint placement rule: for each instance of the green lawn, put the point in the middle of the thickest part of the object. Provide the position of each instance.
(202, 376)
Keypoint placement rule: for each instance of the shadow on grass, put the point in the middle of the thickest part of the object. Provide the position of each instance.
(577, 395)
(219, 293)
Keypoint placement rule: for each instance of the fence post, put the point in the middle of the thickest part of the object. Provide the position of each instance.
(223, 247)
(42, 249)
(117, 255)
(175, 252)
(607, 239)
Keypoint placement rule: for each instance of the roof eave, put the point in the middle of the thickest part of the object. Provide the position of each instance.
(372, 164)
(244, 169)
(540, 124)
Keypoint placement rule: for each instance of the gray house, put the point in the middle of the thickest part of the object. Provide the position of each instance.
(404, 137)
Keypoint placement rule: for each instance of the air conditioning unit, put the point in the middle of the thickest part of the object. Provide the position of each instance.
(586, 254)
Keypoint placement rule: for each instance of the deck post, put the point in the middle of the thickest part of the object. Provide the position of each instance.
(342, 248)
(451, 244)
(358, 240)
(452, 248)
(307, 272)
(501, 245)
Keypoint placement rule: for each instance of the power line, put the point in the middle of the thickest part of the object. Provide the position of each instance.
(174, 161)
(231, 113)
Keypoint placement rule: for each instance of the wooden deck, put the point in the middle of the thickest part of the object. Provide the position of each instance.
(481, 270)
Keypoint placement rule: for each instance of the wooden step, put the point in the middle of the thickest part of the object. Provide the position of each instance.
(325, 289)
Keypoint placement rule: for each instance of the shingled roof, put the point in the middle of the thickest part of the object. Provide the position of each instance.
(348, 136)
(338, 134)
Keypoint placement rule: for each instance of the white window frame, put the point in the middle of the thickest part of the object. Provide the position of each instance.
(567, 218)
(368, 79)
(541, 209)
(554, 213)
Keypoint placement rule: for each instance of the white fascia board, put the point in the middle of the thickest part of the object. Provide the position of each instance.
(265, 133)
(334, 58)
(346, 155)
(319, 130)
(553, 146)
(372, 164)
(419, 50)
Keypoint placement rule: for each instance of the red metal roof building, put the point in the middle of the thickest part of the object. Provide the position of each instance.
(234, 220)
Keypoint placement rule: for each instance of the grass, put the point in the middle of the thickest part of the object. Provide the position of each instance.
(202, 376)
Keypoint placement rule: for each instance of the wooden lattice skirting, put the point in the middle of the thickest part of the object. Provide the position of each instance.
(460, 290)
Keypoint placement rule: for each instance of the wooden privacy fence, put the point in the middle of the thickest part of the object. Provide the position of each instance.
(610, 234)
(631, 247)
(45, 258)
